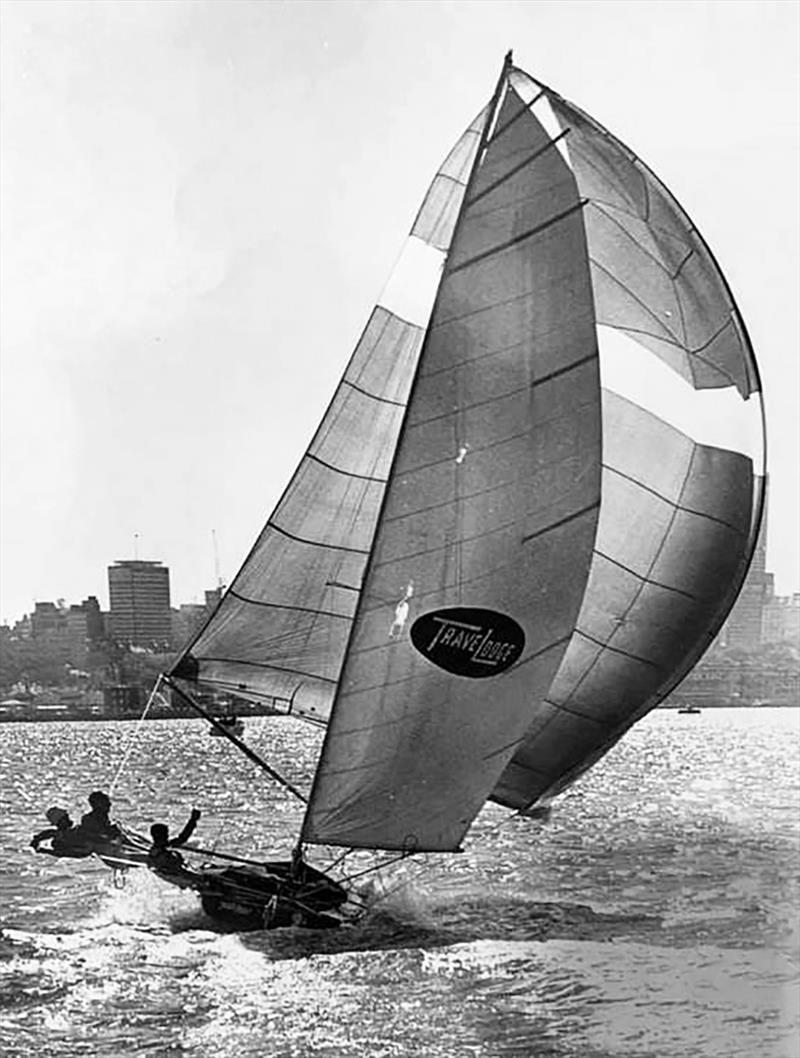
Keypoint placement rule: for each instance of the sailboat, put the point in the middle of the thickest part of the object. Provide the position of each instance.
(524, 516)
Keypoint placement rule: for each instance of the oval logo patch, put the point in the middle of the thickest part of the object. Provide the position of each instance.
(468, 641)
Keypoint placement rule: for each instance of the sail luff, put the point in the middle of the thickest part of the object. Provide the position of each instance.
(488, 125)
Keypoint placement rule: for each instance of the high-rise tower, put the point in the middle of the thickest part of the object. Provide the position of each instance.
(139, 603)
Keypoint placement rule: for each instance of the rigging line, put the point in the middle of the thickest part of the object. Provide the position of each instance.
(237, 742)
(134, 735)
(224, 856)
(377, 867)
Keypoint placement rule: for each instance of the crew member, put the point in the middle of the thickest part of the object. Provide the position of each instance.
(162, 857)
(63, 835)
(96, 825)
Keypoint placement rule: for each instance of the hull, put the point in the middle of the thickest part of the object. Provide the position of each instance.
(271, 897)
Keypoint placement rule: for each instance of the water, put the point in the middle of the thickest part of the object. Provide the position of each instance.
(654, 916)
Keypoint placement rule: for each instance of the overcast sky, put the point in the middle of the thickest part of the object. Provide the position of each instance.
(202, 201)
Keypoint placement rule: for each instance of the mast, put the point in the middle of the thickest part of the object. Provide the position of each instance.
(479, 153)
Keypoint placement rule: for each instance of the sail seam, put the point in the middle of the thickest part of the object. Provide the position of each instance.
(642, 578)
(346, 473)
(509, 393)
(266, 668)
(576, 148)
(618, 650)
(573, 712)
(475, 451)
(676, 343)
(642, 304)
(562, 521)
(630, 236)
(542, 650)
(522, 237)
(456, 364)
(526, 107)
(515, 169)
(284, 606)
(489, 210)
(445, 544)
(674, 503)
(315, 543)
(653, 227)
(680, 267)
(373, 396)
(493, 307)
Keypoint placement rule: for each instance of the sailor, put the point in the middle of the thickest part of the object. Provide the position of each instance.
(162, 857)
(63, 836)
(96, 825)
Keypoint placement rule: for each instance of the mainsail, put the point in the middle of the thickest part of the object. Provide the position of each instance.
(527, 510)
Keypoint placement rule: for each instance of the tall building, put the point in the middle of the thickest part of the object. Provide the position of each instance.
(782, 620)
(67, 631)
(745, 624)
(139, 609)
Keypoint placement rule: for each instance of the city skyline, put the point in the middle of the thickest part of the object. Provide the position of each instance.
(189, 257)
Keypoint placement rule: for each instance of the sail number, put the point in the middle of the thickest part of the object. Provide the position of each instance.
(468, 641)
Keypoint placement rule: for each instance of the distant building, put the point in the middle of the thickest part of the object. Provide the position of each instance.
(139, 610)
(782, 619)
(213, 597)
(67, 632)
(189, 618)
(186, 621)
(745, 624)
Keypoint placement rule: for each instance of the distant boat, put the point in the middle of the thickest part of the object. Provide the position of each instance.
(513, 534)
(692, 709)
(233, 725)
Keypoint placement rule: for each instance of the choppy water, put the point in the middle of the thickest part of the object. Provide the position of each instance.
(655, 916)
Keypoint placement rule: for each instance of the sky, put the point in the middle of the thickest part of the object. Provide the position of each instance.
(201, 202)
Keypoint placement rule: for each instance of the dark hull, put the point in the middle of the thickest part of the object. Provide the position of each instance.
(271, 897)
